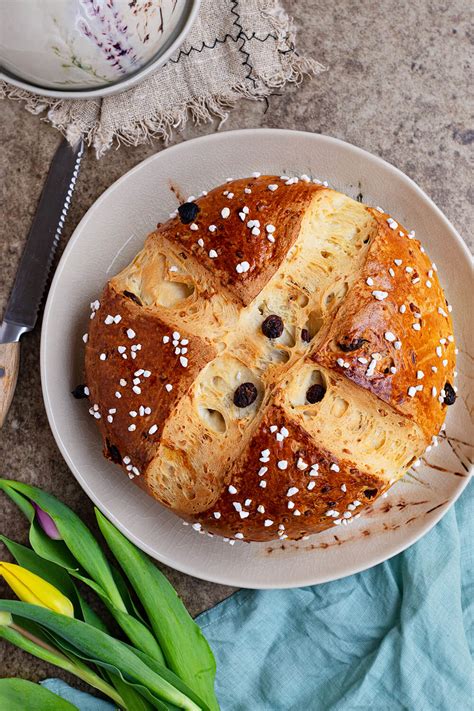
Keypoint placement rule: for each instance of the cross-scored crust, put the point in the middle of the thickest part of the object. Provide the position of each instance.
(356, 382)
(134, 396)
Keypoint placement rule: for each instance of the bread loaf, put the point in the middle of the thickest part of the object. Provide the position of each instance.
(274, 358)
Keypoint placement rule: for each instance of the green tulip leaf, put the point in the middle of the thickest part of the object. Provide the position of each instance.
(69, 525)
(23, 504)
(136, 631)
(121, 583)
(133, 688)
(108, 652)
(38, 646)
(133, 700)
(55, 551)
(182, 642)
(75, 534)
(46, 569)
(139, 634)
(55, 575)
(90, 616)
(179, 644)
(19, 694)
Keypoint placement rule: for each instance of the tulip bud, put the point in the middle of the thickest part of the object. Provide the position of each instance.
(31, 588)
(47, 523)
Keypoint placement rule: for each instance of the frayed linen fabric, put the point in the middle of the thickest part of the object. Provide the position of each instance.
(397, 637)
(236, 49)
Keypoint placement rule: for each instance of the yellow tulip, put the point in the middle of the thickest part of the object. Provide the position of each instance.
(33, 589)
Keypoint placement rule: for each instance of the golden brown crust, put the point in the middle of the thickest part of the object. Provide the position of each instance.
(288, 487)
(364, 321)
(233, 240)
(139, 381)
(398, 313)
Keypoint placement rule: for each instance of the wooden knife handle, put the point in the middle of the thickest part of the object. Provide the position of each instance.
(9, 363)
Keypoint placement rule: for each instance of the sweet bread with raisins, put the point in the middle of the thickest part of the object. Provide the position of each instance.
(274, 358)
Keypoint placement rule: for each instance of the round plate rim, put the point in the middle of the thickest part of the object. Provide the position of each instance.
(228, 579)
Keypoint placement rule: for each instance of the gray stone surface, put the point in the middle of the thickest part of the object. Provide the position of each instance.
(397, 85)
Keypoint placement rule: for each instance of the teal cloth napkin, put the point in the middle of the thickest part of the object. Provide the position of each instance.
(394, 637)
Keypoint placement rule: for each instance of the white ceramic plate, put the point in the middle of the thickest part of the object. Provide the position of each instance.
(109, 236)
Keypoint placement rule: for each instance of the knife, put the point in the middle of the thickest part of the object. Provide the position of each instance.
(35, 263)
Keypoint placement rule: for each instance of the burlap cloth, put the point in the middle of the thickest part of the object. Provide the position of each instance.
(236, 49)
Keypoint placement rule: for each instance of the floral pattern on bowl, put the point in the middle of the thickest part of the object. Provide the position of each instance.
(83, 44)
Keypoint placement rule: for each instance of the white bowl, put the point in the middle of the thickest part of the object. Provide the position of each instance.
(88, 48)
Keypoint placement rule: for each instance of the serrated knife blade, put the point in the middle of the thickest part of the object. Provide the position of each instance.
(44, 235)
(35, 264)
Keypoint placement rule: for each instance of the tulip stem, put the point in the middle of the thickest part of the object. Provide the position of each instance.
(27, 641)
(33, 638)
